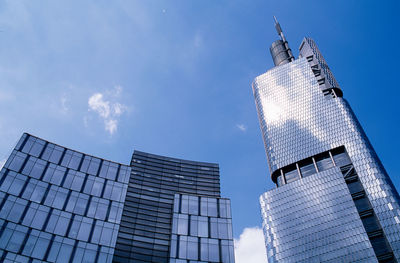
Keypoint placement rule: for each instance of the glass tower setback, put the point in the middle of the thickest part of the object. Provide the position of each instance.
(60, 205)
(334, 201)
(147, 220)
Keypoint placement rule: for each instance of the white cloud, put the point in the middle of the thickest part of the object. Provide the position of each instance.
(118, 109)
(107, 108)
(99, 105)
(111, 125)
(241, 127)
(250, 247)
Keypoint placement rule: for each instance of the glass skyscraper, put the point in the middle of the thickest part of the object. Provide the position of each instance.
(60, 205)
(334, 201)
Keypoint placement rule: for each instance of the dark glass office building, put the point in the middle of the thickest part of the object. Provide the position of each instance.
(60, 205)
(334, 201)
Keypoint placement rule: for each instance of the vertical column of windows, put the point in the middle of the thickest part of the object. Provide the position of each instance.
(371, 223)
(201, 235)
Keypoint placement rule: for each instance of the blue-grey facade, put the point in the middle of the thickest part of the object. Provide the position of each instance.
(334, 201)
(60, 205)
(146, 232)
(201, 230)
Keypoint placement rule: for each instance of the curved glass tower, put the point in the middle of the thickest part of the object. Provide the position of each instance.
(60, 205)
(334, 201)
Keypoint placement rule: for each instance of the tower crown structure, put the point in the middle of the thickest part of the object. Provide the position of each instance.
(280, 50)
(334, 201)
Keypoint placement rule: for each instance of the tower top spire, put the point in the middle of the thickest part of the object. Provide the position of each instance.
(279, 29)
(280, 51)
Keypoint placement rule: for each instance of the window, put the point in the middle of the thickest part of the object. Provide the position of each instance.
(307, 168)
(17, 161)
(41, 245)
(380, 245)
(362, 204)
(370, 223)
(291, 175)
(355, 186)
(280, 181)
(340, 157)
(324, 162)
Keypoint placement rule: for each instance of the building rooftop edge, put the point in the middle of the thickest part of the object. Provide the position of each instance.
(31, 135)
(167, 158)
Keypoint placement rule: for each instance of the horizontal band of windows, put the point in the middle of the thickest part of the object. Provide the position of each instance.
(129, 228)
(22, 239)
(172, 161)
(153, 196)
(153, 215)
(126, 238)
(177, 187)
(175, 169)
(126, 246)
(145, 174)
(152, 219)
(311, 165)
(132, 210)
(171, 185)
(168, 166)
(143, 222)
(173, 179)
(22, 210)
(152, 244)
(133, 257)
(170, 173)
(172, 182)
(123, 252)
(162, 238)
(149, 205)
(133, 223)
(67, 158)
(162, 160)
(68, 180)
(181, 190)
(152, 210)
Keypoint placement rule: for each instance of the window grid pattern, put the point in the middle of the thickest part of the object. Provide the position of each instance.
(314, 220)
(310, 48)
(201, 230)
(59, 205)
(145, 231)
(297, 121)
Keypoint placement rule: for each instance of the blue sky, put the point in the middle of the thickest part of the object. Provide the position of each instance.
(174, 78)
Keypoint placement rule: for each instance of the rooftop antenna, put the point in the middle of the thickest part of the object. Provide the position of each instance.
(279, 29)
(278, 58)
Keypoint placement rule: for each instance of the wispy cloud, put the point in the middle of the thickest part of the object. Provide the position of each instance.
(107, 108)
(241, 127)
(63, 103)
(250, 246)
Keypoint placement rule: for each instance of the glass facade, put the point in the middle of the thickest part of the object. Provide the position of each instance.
(60, 205)
(146, 225)
(311, 135)
(201, 230)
